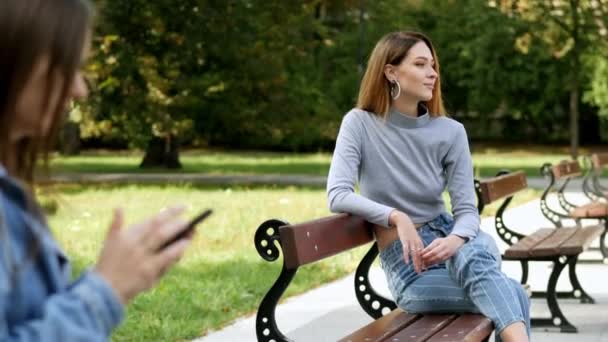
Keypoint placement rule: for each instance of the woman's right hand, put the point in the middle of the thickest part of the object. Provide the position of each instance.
(410, 240)
(131, 260)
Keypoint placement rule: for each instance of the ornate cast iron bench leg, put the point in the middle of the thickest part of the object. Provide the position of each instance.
(557, 317)
(265, 323)
(374, 304)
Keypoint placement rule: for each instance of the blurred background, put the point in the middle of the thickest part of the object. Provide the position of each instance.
(279, 75)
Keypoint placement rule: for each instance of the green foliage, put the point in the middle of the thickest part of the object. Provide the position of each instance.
(280, 75)
(597, 94)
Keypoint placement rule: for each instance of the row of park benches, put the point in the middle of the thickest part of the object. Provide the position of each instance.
(561, 245)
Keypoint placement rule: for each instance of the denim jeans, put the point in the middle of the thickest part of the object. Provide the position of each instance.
(470, 281)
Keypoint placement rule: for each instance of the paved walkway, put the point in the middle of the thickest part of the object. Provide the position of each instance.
(330, 312)
(203, 179)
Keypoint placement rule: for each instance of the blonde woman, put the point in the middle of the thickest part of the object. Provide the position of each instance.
(403, 151)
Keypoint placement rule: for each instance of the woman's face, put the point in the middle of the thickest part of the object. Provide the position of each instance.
(35, 109)
(415, 73)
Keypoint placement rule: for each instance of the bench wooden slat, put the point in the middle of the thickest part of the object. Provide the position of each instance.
(502, 186)
(522, 248)
(468, 328)
(581, 240)
(315, 240)
(382, 328)
(423, 328)
(599, 160)
(590, 210)
(552, 244)
(566, 169)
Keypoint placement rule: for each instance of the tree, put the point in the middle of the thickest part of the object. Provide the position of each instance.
(141, 62)
(572, 29)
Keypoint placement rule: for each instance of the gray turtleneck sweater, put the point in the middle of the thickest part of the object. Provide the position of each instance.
(403, 163)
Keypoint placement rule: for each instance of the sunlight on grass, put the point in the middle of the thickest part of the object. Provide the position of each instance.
(487, 161)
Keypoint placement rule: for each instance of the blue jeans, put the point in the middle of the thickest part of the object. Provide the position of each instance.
(470, 281)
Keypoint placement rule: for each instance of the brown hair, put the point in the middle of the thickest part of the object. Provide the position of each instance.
(29, 30)
(374, 92)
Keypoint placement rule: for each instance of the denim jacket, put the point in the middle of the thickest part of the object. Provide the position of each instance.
(38, 302)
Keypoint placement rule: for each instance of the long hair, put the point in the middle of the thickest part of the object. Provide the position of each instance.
(29, 30)
(374, 92)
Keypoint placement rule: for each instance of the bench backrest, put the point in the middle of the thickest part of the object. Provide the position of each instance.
(566, 169)
(311, 241)
(495, 188)
(599, 160)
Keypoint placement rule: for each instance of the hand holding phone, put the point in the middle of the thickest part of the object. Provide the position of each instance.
(189, 228)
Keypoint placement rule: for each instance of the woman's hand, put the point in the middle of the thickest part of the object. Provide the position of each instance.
(412, 244)
(131, 260)
(441, 249)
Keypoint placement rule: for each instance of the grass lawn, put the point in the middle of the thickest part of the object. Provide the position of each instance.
(487, 160)
(221, 277)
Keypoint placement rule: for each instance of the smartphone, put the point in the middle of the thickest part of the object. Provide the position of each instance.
(190, 227)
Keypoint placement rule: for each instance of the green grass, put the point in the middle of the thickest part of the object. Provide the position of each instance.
(221, 277)
(487, 161)
(196, 161)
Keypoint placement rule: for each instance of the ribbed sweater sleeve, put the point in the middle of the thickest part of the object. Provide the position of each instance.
(343, 175)
(459, 170)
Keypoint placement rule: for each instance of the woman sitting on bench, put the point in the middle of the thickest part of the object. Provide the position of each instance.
(404, 151)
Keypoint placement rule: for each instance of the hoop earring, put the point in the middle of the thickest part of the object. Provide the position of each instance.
(395, 88)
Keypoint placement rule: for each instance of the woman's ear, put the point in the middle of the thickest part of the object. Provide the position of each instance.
(389, 72)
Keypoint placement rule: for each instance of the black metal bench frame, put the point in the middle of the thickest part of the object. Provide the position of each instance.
(591, 184)
(510, 237)
(267, 234)
(556, 217)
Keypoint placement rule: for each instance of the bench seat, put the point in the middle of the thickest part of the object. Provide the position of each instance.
(591, 210)
(549, 242)
(401, 326)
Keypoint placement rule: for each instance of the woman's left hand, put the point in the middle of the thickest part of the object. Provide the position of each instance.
(441, 249)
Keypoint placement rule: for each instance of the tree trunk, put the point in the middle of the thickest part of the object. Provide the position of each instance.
(574, 139)
(69, 139)
(162, 153)
(575, 79)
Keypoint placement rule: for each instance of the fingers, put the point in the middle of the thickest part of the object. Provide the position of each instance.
(117, 222)
(416, 259)
(406, 253)
(156, 230)
(430, 250)
(435, 252)
(170, 255)
(165, 233)
(413, 249)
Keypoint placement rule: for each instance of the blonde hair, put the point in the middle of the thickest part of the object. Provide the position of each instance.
(374, 92)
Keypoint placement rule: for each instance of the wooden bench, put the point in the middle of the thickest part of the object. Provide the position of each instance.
(312, 241)
(592, 188)
(565, 171)
(560, 246)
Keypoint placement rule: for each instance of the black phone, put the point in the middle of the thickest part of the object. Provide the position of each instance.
(190, 227)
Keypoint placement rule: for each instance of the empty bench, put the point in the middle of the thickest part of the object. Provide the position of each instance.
(565, 171)
(592, 188)
(561, 246)
(312, 241)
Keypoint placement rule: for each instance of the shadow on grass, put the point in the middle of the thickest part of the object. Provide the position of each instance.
(74, 189)
(261, 167)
